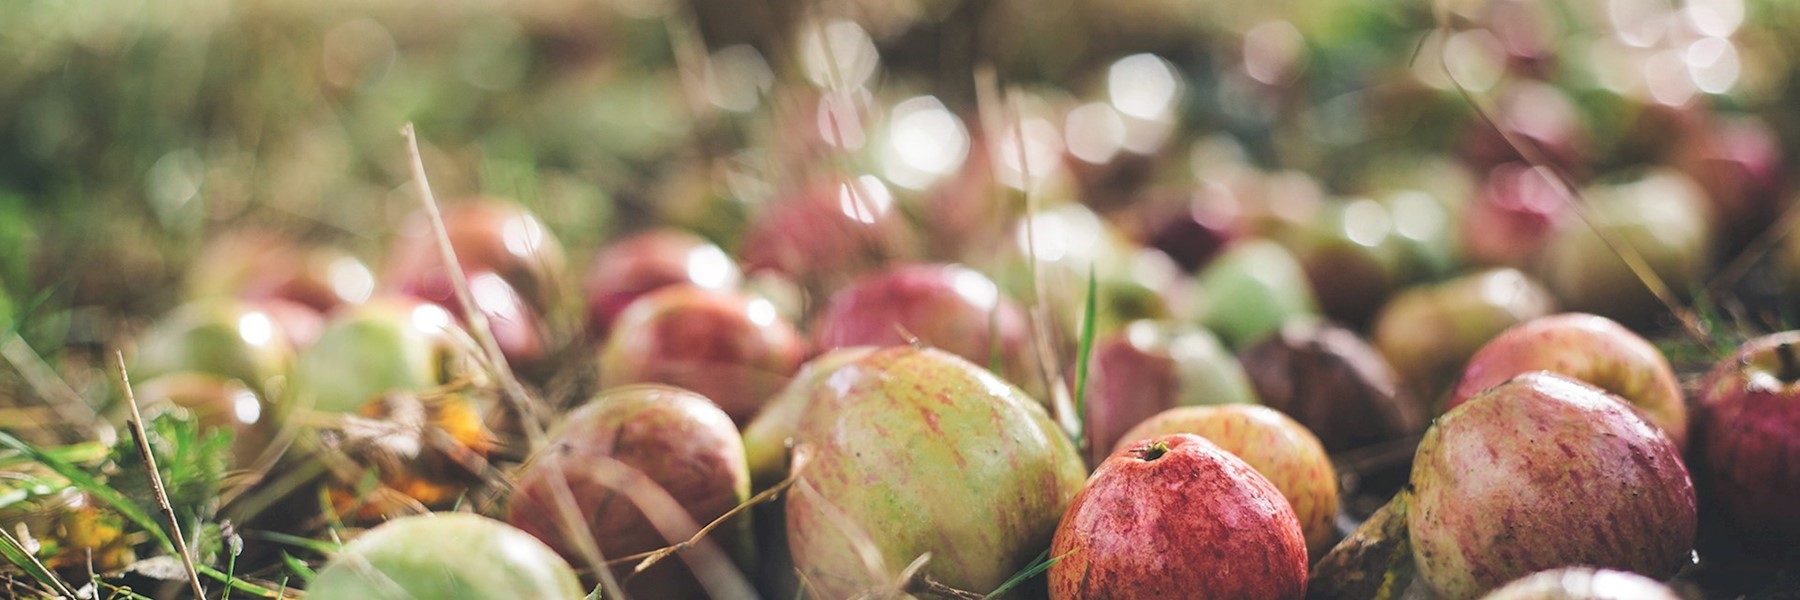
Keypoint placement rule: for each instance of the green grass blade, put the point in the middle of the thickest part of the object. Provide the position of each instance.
(22, 558)
(238, 584)
(1084, 353)
(89, 484)
(1042, 563)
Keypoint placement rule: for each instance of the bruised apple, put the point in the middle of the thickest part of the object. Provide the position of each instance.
(677, 439)
(1177, 517)
(1544, 471)
(1278, 447)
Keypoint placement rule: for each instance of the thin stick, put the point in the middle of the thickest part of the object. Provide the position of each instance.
(156, 483)
(762, 497)
(478, 322)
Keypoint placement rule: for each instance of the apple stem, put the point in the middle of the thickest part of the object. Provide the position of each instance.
(1153, 450)
(1790, 364)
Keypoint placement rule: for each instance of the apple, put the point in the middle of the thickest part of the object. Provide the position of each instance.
(1747, 434)
(1662, 214)
(1737, 160)
(516, 326)
(1428, 332)
(1278, 447)
(1583, 583)
(221, 336)
(1538, 114)
(675, 439)
(216, 404)
(911, 451)
(827, 232)
(1587, 347)
(1351, 258)
(1195, 228)
(388, 344)
(1540, 472)
(1513, 216)
(261, 264)
(1150, 367)
(766, 437)
(1175, 516)
(1250, 290)
(950, 307)
(628, 268)
(732, 348)
(299, 323)
(489, 235)
(450, 556)
(1334, 383)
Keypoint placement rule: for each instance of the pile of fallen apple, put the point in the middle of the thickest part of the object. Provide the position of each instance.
(921, 431)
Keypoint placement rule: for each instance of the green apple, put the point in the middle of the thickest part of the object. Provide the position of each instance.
(1251, 290)
(447, 556)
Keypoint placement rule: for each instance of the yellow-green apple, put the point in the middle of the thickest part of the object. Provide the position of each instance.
(453, 556)
(1247, 292)
(1661, 214)
(1587, 347)
(626, 269)
(909, 451)
(1175, 516)
(732, 348)
(1544, 471)
(676, 440)
(766, 437)
(1277, 446)
(1428, 332)
(389, 344)
(1150, 367)
(1334, 383)
(1747, 433)
(222, 336)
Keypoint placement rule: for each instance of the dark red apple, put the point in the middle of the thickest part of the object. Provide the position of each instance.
(677, 440)
(1747, 432)
(1149, 367)
(628, 268)
(1535, 113)
(950, 307)
(1590, 348)
(1177, 517)
(734, 349)
(516, 326)
(1195, 228)
(1334, 383)
(1541, 472)
(1737, 160)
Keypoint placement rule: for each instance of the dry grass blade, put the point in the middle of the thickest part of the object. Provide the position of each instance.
(478, 323)
(68, 405)
(574, 528)
(1740, 264)
(646, 559)
(156, 482)
(1565, 189)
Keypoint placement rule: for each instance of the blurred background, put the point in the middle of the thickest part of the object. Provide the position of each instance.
(136, 132)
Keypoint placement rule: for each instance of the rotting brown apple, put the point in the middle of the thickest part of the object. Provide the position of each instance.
(1334, 383)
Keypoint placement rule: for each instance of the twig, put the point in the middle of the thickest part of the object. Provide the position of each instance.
(654, 556)
(156, 483)
(478, 322)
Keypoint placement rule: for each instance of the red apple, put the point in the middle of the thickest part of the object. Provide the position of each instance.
(1537, 113)
(1177, 517)
(949, 307)
(261, 264)
(489, 235)
(1278, 447)
(677, 440)
(1590, 348)
(1149, 367)
(1747, 433)
(732, 348)
(1540, 472)
(517, 329)
(627, 269)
